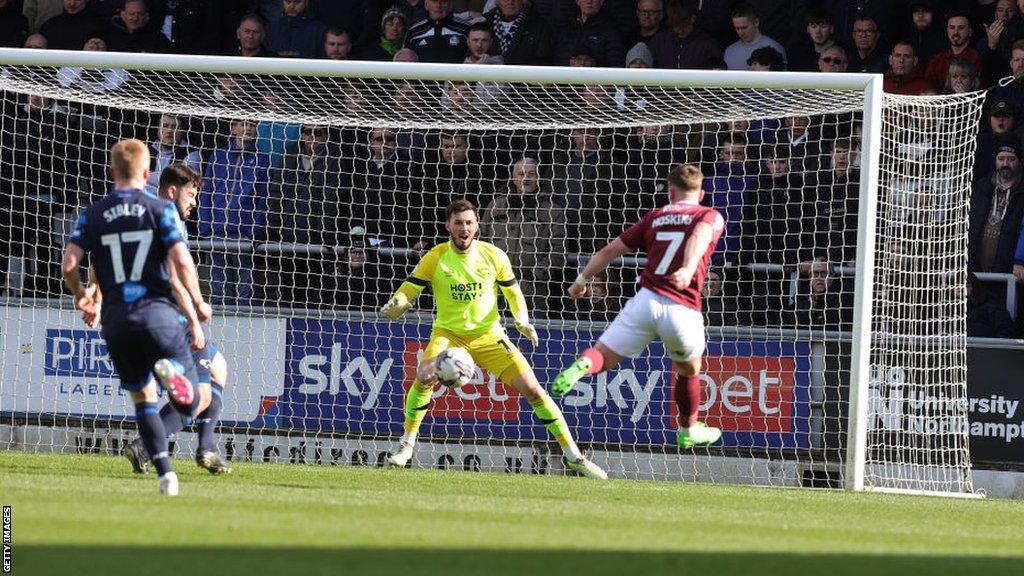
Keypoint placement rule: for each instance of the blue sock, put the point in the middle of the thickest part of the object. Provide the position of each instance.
(207, 421)
(154, 437)
(173, 421)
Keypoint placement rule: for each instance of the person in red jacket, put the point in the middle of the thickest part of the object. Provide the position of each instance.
(904, 76)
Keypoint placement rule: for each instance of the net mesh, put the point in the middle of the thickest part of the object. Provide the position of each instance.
(320, 194)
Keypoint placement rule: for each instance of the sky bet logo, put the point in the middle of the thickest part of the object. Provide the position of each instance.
(77, 353)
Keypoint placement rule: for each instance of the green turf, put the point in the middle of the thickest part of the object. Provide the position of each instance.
(90, 515)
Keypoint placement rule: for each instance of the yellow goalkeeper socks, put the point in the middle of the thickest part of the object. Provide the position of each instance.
(549, 414)
(417, 401)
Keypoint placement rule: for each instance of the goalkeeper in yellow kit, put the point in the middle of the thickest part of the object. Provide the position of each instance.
(462, 274)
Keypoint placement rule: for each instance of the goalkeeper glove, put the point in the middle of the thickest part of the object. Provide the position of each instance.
(396, 306)
(528, 331)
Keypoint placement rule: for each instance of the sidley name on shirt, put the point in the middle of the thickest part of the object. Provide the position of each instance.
(121, 210)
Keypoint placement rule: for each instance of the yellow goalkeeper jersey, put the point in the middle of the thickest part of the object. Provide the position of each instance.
(465, 285)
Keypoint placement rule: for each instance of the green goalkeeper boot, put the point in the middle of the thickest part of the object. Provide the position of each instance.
(568, 378)
(700, 434)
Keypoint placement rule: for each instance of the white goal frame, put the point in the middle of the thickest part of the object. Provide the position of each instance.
(868, 84)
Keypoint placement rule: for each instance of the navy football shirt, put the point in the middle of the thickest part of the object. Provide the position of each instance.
(128, 234)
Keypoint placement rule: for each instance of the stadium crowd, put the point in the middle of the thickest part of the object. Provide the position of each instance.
(787, 187)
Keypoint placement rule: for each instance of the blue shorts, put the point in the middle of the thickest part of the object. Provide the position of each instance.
(204, 360)
(134, 352)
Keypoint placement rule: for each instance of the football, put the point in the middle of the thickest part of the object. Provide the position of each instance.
(455, 367)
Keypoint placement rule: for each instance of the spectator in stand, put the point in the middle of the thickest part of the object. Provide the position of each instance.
(480, 41)
(681, 45)
(521, 35)
(361, 18)
(987, 317)
(233, 207)
(727, 189)
(997, 206)
(766, 59)
(1001, 122)
(441, 36)
(833, 59)
(603, 298)
(414, 10)
(904, 76)
(582, 57)
(776, 230)
(1012, 93)
(820, 302)
(650, 14)
(93, 80)
(273, 137)
(38, 168)
(296, 34)
(337, 44)
(190, 26)
(529, 224)
(961, 77)
(926, 33)
(14, 25)
(39, 11)
(455, 173)
(70, 29)
(868, 55)
(1005, 28)
(305, 206)
(360, 274)
(250, 33)
(805, 53)
(804, 144)
(593, 29)
(381, 177)
(652, 151)
(584, 179)
(406, 55)
(1018, 257)
(36, 42)
(836, 192)
(748, 27)
(170, 147)
(131, 31)
(393, 27)
(845, 14)
(958, 34)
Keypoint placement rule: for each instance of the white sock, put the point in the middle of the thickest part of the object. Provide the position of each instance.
(572, 451)
(409, 439)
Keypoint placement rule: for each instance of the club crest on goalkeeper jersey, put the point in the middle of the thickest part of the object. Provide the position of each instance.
(465, 285)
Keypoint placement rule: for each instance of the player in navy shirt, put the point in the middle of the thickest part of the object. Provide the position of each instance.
(180, 184)
(134, 240)
(679, 239)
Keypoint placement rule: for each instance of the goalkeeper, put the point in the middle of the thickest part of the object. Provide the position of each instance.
(463, 274)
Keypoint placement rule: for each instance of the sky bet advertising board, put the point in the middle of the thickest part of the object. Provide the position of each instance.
(351, 376)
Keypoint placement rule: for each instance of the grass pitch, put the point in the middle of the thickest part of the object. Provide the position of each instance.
(91, 515)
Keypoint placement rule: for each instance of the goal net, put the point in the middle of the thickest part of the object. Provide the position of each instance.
(834, 309)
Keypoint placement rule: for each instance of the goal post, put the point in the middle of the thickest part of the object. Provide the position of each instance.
(837, 340)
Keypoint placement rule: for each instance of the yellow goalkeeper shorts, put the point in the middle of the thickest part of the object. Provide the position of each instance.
(491, 351)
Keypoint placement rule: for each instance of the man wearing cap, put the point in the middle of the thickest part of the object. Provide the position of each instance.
(1001, 123)
(520, 36)
(997, 206)
(595, 30)
(441, 36)
(904, 76)
(393, 26)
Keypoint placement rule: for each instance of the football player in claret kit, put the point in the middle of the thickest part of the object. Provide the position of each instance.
(464, 274)
(134, 238)
(678, 239)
